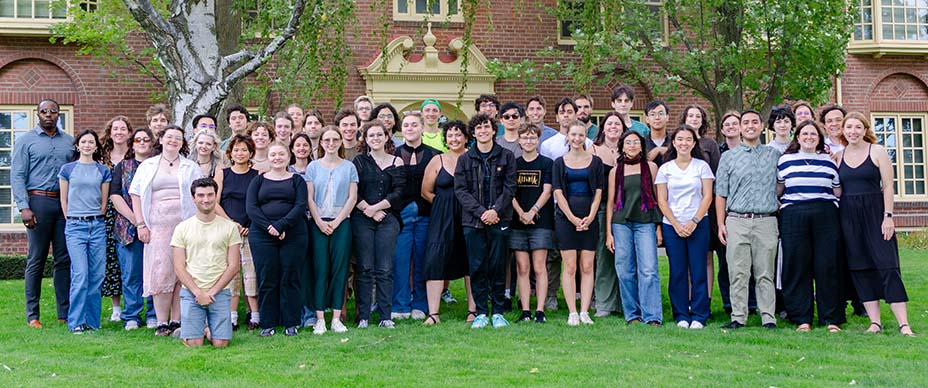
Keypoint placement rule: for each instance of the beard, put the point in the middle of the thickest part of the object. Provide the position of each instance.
(585, 120)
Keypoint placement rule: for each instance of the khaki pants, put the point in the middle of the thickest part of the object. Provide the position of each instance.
(752, 248)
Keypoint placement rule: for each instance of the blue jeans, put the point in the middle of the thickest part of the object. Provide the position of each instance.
(87, 247)
(410, 254)
(195, 318)
(688, 289)
(130, 263)
(636, 267)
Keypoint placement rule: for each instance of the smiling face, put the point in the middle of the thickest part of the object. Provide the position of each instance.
(529, 142)
(803, 113)
(387, 118)
(751, 127)
(206, 123)
(172, 140)
(854, 131)
(535, 112)
(331, 142)
(484, 132)
(488, 108)
(279, 156)
(241, 154)
(455, 139)
(301, 148)
(412, 129)
(205, 144)
(833, 122)
(430, 114)
(313, 127)
(87, 145)
(283, 128)
(512, 120)
(205, 199)
(141, 144)
(693, 118)
(683, 141)
(261, 137)
(349, 127)
(808, 138)
(119, 132)
(731, 127)
(576, 137)
(157, 123)
(613, 128)
(657, 118)
(783, 126)
(375, 137)
(631, 146)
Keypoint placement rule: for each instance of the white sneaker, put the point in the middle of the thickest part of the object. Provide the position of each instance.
(602, 313)
(338, 326)
(362, 324)
(585, 318)
(151, 323)
(573, 319)
(683, 325)
(696, 325)
(131, 325)
(114, 317)
(418, 315)
(319, 329)
(400, 316)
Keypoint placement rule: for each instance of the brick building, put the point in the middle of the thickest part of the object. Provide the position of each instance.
(886, 77)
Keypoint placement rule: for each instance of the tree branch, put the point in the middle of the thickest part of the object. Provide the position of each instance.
(260, 58)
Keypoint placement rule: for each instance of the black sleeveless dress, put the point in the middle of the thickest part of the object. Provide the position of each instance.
(445, 253)
(873, 261)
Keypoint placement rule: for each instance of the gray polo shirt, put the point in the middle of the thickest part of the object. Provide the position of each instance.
(37, 159)
(747, 178)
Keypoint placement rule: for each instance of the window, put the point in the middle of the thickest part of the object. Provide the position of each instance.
(570, 21)
(903, 135)
(432, 10)
(599, 114)
(890, 27)
(33, 17)
(15, 120)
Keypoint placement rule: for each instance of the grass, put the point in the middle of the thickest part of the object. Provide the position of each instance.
(526, 354)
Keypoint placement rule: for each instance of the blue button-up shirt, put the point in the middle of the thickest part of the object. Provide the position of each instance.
(747, 178)
(37, 159)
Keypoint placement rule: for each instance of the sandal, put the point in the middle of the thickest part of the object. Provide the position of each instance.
(432, 319)
(804, 328)
(834, 329)
(471, 315)
(879, 328)
(909, 334)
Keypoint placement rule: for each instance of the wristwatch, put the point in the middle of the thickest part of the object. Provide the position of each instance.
(888, 214)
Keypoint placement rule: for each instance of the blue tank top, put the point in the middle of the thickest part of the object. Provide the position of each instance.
(578, 181)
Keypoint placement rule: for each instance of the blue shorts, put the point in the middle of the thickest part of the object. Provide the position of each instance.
(194, 318)
(527, 240)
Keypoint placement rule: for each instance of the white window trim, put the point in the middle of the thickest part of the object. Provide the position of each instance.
(898, 169)
(412, 16)
(879, 47)
(36, 25)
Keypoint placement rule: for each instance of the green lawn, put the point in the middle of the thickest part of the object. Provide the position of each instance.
(606, 354)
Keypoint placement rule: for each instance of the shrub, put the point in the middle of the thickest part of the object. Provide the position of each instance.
(14, 267)
(914, 240)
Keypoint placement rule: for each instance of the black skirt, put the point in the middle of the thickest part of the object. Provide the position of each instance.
(568, 238)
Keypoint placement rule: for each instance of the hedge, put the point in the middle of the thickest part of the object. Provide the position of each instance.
(14, 267)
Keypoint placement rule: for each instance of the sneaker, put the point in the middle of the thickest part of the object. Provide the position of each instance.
(362, 324)
(131, 325)
(338, 326)
(400, 316)
(526, 316)
(585, 318)
(387, 324)
(480, 322)
(151, 323)
(499, 321)
(447, 297)
(602, 313)
(114, 317)
(418, 315)
(770, 326)
(696, 325)
(573, 319)
(540, 317)
(311, 321)
(291, 331)
(551, 303)
(267, 332)
(78, 330)
(319, 328)
(683, 324)
(733, 325)
(174, 326)
(163, 330)
(252, 325)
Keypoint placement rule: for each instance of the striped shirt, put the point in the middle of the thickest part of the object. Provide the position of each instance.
(807, 177)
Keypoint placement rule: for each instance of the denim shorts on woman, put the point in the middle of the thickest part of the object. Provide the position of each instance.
(527, 240)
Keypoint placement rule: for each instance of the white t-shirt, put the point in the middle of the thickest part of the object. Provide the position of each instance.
(684, 188)
(556, 146)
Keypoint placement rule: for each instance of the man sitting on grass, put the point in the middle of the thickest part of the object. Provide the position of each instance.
(206, 258)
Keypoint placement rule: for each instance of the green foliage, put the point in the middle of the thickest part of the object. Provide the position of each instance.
(913, 240)
(14, 266)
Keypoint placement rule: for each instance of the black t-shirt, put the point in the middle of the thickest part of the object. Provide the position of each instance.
(530, 180)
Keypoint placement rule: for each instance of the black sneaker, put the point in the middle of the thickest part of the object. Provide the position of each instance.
(163, 330)
(267, 333)
(526, 316)
(291, 331)
(770, 326)
(540, 317)
(733, 325)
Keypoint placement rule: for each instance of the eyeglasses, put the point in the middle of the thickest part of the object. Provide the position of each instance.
(488, 105)
(529, 139)
(49, 111)
(385, 116)
(657, 114)
(633, 142)
(510, 117)
(205, 126)
(141, 140)
(364, 108)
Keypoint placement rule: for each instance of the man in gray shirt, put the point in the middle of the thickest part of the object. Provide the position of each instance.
(37, 158)
(746, 206)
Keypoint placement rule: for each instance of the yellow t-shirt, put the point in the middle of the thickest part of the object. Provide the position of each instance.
(207, 246)
(434, 140)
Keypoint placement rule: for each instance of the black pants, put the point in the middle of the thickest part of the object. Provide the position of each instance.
(487, 249)
(49, 229)
(279, 264)
(374, 246)
(808, 234)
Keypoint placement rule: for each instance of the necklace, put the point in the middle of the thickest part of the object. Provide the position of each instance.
(170, 162)
(204, 163)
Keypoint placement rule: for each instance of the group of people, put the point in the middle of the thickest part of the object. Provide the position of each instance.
(293, 213)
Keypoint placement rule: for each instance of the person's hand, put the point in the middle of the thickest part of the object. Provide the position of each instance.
(282, 236)
(29, 219)
(370, 212)
(723, 234)
(660, 236)
(587, 221)
(528, 218)
(610, 243)
(489, 217)
(888, 227)
(681, 230)
(380, 215)
(144, 235)
(690, 227)
(271, 230)
(203, 298)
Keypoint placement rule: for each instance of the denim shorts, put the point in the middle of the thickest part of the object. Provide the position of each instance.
(194, 318)
(528, 240)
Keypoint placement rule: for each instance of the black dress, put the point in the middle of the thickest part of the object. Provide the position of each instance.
(445, 253)
(579, 186)
(873, 261)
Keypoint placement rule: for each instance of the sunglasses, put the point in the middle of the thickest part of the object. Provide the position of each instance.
(140, 140)
(510, 117)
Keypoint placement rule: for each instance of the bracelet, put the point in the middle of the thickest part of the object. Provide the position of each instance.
(695, 220)
(535, 208)
(141, 226)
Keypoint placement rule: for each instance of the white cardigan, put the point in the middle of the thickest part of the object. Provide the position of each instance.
(145, 175)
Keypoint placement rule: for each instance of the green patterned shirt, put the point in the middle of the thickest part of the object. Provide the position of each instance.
(747, 178)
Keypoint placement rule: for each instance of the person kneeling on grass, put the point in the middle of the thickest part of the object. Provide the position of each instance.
(206, 258)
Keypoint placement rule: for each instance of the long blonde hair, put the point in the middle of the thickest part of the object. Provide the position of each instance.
(869, 136)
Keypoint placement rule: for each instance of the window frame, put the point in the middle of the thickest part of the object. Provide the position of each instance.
(31, 118)
(37, 26)
(412, 16)
(878, 45)
(898, 149)
(665, 34)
